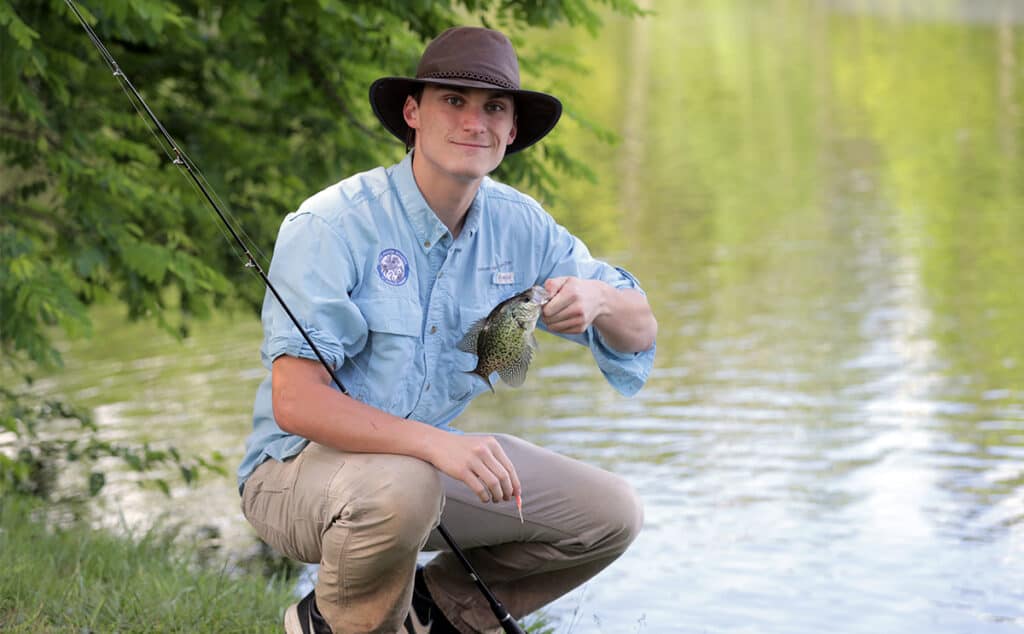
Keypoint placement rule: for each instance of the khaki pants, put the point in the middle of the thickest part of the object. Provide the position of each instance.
(365, 517)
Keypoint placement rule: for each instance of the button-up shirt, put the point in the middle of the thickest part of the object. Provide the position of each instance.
(386, 293)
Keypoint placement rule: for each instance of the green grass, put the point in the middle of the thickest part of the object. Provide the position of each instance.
(87, 581)
(82, 580)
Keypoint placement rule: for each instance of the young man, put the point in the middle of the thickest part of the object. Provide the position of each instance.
(386, 271)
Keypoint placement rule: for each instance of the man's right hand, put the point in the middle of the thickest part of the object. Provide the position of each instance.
(480, 463)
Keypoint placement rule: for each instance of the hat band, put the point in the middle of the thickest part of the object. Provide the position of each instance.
(489, 79)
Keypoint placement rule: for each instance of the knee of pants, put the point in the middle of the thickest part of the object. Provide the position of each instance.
(400, 509)
(620, 519)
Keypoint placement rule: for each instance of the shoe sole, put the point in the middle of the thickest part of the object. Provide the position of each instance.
(292, 625)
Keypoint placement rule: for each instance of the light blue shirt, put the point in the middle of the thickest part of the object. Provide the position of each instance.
(386, 293)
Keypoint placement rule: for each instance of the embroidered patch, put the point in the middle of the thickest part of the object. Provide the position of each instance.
(504, 277)
(393, 267)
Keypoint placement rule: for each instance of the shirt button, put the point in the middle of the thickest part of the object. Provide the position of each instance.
(433, 329)
(427, 244)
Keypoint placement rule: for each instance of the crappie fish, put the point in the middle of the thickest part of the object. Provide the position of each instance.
(503, 340)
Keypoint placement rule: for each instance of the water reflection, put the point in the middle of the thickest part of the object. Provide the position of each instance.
(826, 208)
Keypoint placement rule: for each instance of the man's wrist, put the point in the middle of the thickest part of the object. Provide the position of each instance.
(426, 442)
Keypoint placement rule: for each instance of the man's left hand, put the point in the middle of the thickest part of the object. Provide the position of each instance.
(574, 305)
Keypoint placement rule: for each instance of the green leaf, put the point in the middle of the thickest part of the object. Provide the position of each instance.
(20, 31)
(149, 260)
(9, 423)
(96, 482)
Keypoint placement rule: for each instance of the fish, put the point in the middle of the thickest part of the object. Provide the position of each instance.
(504, 340)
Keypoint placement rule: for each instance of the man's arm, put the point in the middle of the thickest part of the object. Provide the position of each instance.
(305, 404)
(622, 316)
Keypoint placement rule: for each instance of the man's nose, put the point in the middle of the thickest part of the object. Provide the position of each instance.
(473, 119)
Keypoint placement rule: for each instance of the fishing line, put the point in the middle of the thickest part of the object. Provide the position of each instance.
(200, 184)
(178, 157)
(237, 226)
(196, 188)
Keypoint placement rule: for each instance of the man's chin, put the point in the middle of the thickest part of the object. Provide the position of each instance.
(471, 173)
(466, 169)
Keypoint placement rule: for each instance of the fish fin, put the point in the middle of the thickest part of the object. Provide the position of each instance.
(468, 343)
(486, 380)
(515, 374)
(532, 341)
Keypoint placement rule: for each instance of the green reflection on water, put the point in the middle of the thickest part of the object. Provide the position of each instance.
(754, 133)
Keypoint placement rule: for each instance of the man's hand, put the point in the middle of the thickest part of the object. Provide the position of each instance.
(479, 462)
(575, 303)
(622, 316)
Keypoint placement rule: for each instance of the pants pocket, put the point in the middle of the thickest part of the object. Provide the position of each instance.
(266, 502)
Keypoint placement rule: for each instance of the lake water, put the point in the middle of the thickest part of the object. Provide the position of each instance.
(825, 203)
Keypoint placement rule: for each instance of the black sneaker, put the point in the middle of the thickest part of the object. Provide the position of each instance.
(304, 618)
(424, 616)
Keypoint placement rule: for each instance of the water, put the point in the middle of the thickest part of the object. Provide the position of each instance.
(825, 203)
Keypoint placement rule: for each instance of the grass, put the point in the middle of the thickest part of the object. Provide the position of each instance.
(77, 579)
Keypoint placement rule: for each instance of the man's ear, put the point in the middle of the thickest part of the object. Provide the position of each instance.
(411, 113)
(512, 132)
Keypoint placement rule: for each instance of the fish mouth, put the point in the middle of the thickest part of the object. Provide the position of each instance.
(539, 295)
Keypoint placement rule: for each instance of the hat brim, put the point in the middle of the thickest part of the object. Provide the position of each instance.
(536, 112)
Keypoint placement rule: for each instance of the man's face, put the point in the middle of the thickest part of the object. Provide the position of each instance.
(461, 133)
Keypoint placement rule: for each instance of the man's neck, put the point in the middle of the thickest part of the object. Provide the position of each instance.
(447, 197)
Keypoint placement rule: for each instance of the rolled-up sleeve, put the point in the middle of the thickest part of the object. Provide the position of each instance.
(627, 372)
(313, 270)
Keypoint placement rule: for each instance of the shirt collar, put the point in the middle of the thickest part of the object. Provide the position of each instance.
(428, 228)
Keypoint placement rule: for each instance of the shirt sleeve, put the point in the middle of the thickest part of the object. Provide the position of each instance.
(313, 271)
(566, 255)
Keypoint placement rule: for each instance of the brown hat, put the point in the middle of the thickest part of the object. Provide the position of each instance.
(473, 57)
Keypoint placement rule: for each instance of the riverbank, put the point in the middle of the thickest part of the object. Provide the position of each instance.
(77, 579)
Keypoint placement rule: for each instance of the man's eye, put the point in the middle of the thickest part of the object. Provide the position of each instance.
(496, 107)
(453, 100)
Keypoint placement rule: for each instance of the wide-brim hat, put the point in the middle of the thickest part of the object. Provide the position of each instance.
(471, 57)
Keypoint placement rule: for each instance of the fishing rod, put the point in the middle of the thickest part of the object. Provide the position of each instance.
(181, 159)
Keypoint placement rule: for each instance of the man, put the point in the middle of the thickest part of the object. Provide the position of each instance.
(386, 271)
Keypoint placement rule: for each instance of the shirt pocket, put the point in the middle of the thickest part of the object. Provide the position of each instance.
(392, 361)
